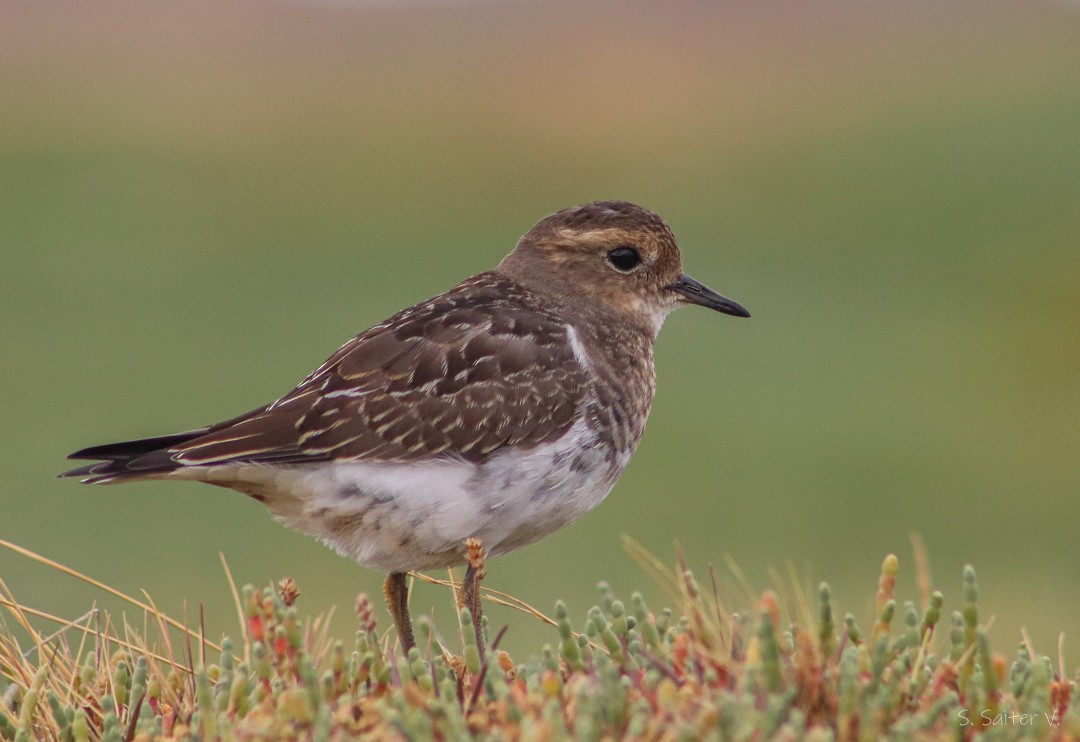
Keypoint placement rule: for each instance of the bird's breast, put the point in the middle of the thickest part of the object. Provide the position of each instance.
(623, 381)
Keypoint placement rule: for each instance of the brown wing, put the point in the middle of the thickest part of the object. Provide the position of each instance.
(463, 375)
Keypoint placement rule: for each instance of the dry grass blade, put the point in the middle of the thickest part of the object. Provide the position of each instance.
(82, 646)
(239, 606)
(98, 584)
(751, 595)
(160, 617)
(59, 632)
(660, 573)
(499, 598)
(88, 630)
(494, 596)
(7, 598)
(802, 602)
(317, 634)
(922, 569)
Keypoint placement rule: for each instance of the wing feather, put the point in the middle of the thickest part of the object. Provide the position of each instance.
(463, 375)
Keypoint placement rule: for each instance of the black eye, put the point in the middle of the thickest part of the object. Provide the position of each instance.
(624, 258)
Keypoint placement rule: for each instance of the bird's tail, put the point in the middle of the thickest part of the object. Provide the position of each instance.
(130, 459)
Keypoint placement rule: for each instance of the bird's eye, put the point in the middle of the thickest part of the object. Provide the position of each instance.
(624, 259)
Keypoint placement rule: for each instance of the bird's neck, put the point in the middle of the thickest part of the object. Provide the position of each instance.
(623, 379)
(616, 346)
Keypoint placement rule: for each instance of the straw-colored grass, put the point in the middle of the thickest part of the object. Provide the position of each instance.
(767, 668)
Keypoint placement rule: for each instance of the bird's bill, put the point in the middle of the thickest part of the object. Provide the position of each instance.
(695, 292)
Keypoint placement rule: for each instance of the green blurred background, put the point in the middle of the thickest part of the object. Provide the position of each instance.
(200, 201)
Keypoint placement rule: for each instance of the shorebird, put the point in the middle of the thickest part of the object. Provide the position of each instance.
(501, 410)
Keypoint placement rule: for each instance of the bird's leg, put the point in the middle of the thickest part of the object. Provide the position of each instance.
(396, 589)
(469, 596)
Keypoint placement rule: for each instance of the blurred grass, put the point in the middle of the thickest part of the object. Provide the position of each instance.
(198, 203)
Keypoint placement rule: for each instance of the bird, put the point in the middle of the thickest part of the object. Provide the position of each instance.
(489, 416)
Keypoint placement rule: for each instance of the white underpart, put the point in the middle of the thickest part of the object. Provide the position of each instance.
(402, 516)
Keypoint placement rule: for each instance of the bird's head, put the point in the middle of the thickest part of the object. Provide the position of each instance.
(614, 253)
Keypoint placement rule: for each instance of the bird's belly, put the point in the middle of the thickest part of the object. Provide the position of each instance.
(405, 516)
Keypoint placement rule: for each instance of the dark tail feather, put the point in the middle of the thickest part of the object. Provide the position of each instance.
(131, 449)
(128, 459)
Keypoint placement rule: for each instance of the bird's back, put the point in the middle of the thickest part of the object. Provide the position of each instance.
(486, 365)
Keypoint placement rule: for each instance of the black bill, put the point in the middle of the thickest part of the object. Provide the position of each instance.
(696, 292)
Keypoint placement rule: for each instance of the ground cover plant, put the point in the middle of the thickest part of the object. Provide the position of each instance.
(783, 665)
